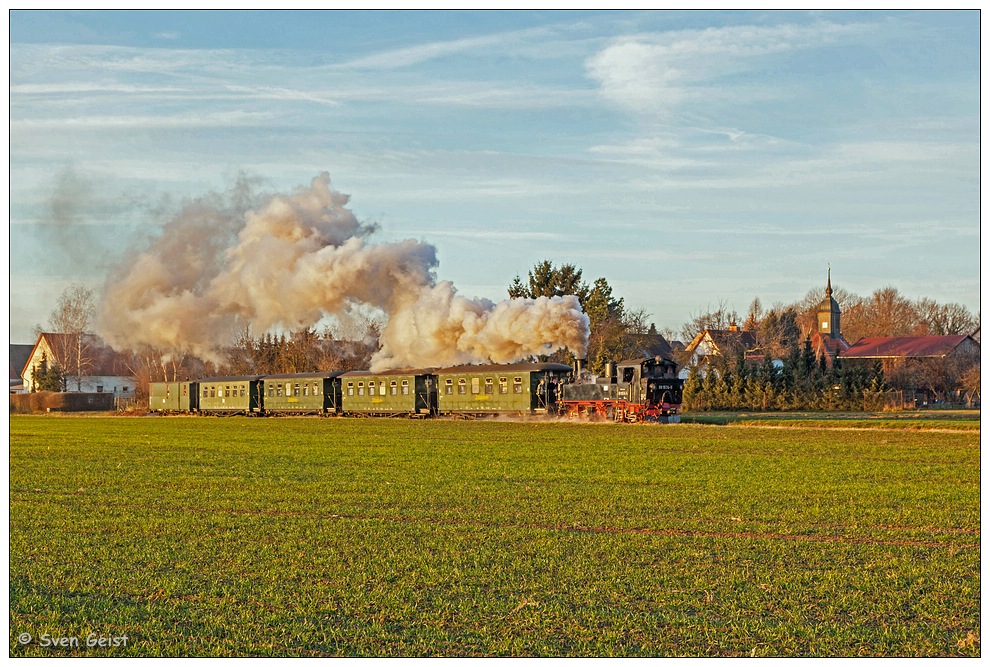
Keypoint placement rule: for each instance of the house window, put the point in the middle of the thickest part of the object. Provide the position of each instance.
(99, 388)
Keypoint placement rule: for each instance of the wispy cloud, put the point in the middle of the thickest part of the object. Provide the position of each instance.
(184, 120)
(492, 234)
(655, 73)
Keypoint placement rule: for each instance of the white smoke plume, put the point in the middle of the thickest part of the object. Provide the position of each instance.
(297, 258)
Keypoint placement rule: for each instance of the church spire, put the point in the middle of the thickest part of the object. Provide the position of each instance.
(828, 312)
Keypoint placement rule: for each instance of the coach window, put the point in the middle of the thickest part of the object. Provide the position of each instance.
(213, 392)
(503, 385)
(371, 389)
(350, 388)
(475, 385)
(306, 390)
(489, 386)
(271, 390)
(393, 387)
(316, 389)
(360, 389)
(206, 392)
(448, 386)
(462, 386)
(295, 391)
(242, 391)
(517, 386)
(278, 389)
(405, 387)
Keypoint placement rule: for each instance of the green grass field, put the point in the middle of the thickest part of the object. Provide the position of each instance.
(301, 536)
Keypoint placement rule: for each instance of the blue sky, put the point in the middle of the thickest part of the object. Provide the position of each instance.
(691, 158)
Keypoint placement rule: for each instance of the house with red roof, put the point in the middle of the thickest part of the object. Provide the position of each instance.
(927, 368)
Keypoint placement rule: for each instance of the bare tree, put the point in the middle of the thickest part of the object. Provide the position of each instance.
(948, 319)
(71, 318)
(714, 318)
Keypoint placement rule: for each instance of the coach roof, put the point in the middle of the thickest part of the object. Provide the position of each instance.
(498, 368)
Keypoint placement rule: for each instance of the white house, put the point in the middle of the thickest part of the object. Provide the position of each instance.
(102, 369)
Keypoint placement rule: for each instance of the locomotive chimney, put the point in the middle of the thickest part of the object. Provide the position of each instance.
(610, 372)
(578, 366)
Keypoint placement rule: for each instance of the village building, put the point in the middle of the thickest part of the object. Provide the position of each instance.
(19, 355)
(711, 345)
(925, 368)
(827, 341)
(89, 365)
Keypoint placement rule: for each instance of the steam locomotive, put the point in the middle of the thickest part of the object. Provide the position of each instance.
(644, 389)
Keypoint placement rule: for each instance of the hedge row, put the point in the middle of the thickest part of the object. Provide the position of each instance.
(50, 401)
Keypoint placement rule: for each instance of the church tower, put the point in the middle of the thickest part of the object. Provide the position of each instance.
(828, 313)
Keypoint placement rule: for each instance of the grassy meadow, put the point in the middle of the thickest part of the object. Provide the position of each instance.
(304, 536)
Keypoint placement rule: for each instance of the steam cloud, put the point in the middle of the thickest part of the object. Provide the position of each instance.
(298, 258)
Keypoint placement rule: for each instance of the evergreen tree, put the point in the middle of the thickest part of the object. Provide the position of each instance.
(47, 376)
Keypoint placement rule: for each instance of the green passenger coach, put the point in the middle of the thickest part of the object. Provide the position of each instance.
(526, 388)
(173, 396)
(230, 395)
(399, 392)
(301, 393)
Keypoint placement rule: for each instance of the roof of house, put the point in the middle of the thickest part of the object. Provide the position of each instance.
(19, 355)
(725, 339)
(829, 344)
(904, 346)
(652, 345)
